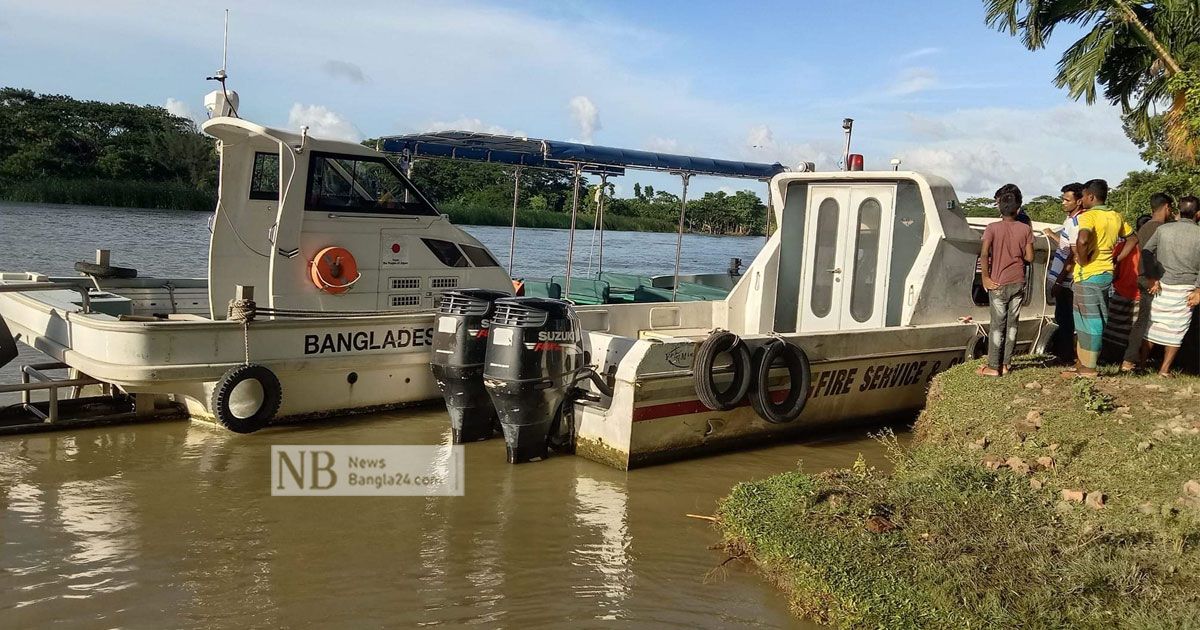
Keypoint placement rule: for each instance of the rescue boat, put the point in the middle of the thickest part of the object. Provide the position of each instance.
(324, 266)
(868, 289)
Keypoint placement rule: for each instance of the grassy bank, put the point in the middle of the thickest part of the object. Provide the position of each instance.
(527, 217)
(114, 193)
(1027, 501)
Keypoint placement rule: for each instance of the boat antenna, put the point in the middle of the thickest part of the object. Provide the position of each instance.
(848, 127)
(221, 75)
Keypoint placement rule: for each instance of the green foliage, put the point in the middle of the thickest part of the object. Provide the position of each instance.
(1091, 397)
(968, 546)
(1132, 197)
(980, 207)
(54, 148)
(1140, 53)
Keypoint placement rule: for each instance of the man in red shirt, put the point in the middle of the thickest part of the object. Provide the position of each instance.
(1007, 246)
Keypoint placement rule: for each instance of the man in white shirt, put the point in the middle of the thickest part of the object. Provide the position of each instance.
(1061, 267)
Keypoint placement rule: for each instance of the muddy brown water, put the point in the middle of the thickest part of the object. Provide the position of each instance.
(173, 525)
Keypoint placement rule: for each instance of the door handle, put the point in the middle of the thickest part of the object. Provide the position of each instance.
(834, 270)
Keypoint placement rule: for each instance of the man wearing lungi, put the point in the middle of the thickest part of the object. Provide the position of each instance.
(1163, 212)
(1099, 229)
(1176, 252)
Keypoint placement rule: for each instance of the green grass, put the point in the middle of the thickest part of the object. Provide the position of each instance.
(527, 217)
(102, 192)
(971, 546)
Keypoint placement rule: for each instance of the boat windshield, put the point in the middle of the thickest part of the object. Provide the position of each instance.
(352, 183)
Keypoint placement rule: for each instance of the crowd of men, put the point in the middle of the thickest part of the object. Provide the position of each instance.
(1116, 290)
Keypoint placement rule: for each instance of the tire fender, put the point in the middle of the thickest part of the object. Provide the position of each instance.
(799, 379)
(272, 396)
(721, 342)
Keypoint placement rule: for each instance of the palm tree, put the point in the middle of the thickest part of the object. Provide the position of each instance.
(1144, 54)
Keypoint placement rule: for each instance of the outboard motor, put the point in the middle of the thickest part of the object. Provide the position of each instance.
(460, 342)
(534, 355)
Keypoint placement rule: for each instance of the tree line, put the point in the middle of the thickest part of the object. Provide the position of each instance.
(57, 149)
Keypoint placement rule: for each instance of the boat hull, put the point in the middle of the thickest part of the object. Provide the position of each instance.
(655, 415)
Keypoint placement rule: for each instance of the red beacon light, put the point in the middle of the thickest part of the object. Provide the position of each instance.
(856, 162)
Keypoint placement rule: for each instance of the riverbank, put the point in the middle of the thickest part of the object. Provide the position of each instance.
(1028, 501)
(109, 193)
(174, 196)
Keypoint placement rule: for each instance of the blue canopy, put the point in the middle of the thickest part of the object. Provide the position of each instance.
(557, 155)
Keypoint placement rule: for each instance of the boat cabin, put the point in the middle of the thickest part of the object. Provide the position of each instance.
(304, 220)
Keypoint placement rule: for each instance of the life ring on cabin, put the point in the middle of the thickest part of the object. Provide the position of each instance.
(977, 347)
(799, 379)
(722, 342)
(330, 269)
(250, 409)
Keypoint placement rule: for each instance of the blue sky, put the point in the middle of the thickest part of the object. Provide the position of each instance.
(926, 82)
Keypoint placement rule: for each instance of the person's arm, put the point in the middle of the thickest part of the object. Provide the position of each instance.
(1051, 235)
(985, 262)
(1130, 244)
(1150, 267)
(1029, 252)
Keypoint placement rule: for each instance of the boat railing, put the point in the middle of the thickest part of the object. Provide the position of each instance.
(24, 287)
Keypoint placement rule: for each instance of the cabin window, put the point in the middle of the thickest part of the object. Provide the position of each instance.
(352, 183)
(866, 260)
(446, 252)
(824, 257)
(264, 181)
(479, 256)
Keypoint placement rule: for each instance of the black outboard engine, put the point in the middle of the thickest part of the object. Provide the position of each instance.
(459, 345)
(535, 353)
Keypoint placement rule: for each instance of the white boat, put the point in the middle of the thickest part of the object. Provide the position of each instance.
(871, 277)
(337, 257)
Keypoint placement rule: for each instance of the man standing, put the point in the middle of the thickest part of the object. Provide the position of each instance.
(1099, 229)
(1007, 246)
(1148, 275)
(1176, 250)
(1191, 204)
(1062, 267)
(1016, 192)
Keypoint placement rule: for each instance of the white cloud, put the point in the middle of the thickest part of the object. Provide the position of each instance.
(918, 53)
(760, 137)
(585, 114)
(662, 145)
(323, 122)
(978, 150)
(183, 110)
(913, 80)
(472, 124)
(344, 70)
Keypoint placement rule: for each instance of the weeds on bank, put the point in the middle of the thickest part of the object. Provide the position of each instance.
(1027, 502)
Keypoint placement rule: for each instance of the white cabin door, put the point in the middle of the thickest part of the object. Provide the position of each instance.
(868, 239)
(824, 265)
(846, 265)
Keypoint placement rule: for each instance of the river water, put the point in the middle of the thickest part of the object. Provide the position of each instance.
(173, 524)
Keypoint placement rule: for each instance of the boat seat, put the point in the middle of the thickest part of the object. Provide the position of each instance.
(537, 287)
(703, 291)
(624, 282)
(585, 291)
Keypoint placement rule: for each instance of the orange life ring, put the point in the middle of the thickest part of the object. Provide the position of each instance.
(334, 270)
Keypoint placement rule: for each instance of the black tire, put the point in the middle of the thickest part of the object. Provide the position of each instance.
(722, 342)
(799, 380)
(105, 271)
(223, 392)
(977, 347)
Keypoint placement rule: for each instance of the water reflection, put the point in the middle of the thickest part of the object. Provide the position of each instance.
(173, 525)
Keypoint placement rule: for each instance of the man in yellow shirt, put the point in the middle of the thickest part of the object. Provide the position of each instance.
(1099, 229)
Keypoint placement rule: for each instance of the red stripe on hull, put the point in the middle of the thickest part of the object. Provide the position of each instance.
(688, 407)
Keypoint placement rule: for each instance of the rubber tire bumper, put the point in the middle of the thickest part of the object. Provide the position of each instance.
(973, 351)
(105, 271)
(272, 397)
(722, 342)
(799, 380)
